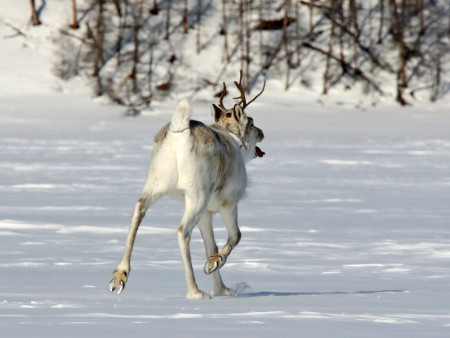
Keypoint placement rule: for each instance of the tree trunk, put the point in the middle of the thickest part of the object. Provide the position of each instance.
(403, 82)
(225, 30)
(118, 9)
(34, 17)
(298, 41)
(150, 70)
(247, 43)
(419, 4)
(98, 42)
(261, 42)
(120, 33)
(74, 24)
(398, 22)
(326, 74)
(186, 17)
(199, 17)
(354, 19)
(137, 25)
(241, 38)
(287, 8)
(169, 5)
(372, 64)
(437, 79)
(340, 13)
(381, 24)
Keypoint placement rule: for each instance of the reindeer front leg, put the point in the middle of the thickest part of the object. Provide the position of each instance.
(120, 275)
(206, 229)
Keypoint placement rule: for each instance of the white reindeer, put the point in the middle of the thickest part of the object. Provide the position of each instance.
(204, 166)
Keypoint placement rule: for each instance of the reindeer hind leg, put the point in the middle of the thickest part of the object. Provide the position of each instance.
(195, 208)
(121, 273)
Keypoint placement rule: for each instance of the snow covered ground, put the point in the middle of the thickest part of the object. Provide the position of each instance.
(345, 231)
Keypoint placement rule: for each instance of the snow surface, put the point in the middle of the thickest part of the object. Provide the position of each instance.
(345, 231)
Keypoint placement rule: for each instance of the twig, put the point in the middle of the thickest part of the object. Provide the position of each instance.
(17, 30)
(345, 65)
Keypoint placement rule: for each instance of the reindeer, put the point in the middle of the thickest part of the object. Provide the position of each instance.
(203, 166)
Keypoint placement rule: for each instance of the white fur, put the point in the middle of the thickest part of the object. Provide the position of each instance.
(180, 120)
(204, 167)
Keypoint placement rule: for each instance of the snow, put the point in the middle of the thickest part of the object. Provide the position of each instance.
(345, 230)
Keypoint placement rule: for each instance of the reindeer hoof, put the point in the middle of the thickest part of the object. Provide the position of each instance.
(198, 295)
(213, 263)
(118, 281)
(224, 292)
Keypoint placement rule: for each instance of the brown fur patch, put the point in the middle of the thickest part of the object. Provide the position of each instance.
(162, 133)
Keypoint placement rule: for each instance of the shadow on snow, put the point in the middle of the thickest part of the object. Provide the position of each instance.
(284, 294)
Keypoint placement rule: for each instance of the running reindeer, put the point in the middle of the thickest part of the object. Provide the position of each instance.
(204, 166)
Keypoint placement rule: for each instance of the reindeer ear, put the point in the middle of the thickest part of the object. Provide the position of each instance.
(239, 114)
(216, 112)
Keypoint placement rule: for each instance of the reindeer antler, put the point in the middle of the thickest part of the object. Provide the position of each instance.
(241, 90)
(222, 94)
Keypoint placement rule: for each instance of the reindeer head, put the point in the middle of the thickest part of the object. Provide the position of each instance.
(236, 121)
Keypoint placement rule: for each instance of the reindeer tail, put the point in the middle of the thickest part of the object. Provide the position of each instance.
(181, 117)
